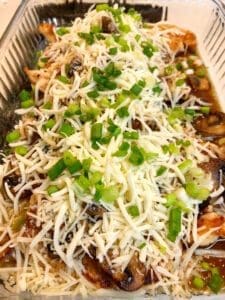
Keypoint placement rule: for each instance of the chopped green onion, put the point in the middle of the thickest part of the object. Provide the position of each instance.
(173, 149)
(216, 282)
(57, 169)
(133, 211)
(86, 163)
(96, 29)
(19, 221)
(136, 89)
(44, 59)
(137, 37)
(190, 111)
(52, 189)
(134, 14)
(157, 90)
(148, 49)
(198, 282)
(27, 103)
(205, 266)
(197, 192)
(83, 182)
(174, 226)
(47, 105)
(95, 178)
(75, 166)
(66, 129)
(179, 66)
(110, 194)
(102, 6)
(122, 112)
(185, 165)
(49, 124)
(136, 157)
(124, 28)
(114, 129)
(123, 150)
(62, 30)
(180, 82)
(25, 95)
(93, 94)
(169, 70)
(104, 102)
(205, 109)
(201, 72)
(88, 37)
(161, 171)
(131, 135)
(68, 158)
(63, 79)
(141, 246)
(96, 131)
(21, 150)
(13, 136)
(113, 51)
(174, 114)
(111, 70)
(73, 109)
(124, 47)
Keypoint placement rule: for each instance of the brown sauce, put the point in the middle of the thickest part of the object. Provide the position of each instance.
(218, 262)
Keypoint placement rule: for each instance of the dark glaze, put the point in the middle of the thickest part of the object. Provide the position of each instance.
(218, 262)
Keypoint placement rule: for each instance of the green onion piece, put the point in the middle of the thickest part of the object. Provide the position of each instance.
(88, 37)
(89, 114)
(114, 129)
(196, 192)
(161, 171)
(134, 14)
(136, 89)
(57, 169)
(68, 158)
(95, 178)
(47, 105)
(174, 114)
(122, 112)
(83, 182)
(133, 211)
(198, 282)
(190, 111)
(185, 165)
(52, 189)
(86, 163)
(75, 167)
(201, 72)
(169, 70)
(96, 131)
(93, 94)
(73, 109)
(21, 150)
(180, 82)
(131, 135)
(63, 79)
(124, 28)
(148, 49)
(119, 100)
(62, 30)
(13, 136)
(66, 129)
(96, 29)
(149, 155)
(19, 221)
(113, 51)
(137, 37)
(205, 109)
(85, 83)
(123, 150)
(205, 266)
(136, 157)
(174, 226)
(44, 59)
(111, 70)
(101, 7)
(216, 282)
(124, 47)
(157, 90)
(49, 124)
(110, 194)
(25, 95)
(98, 192)
(142, 245)
(173, 201)
(104, 102)
(27, 103)
(173, 149)
(183, 143)
(179, 66)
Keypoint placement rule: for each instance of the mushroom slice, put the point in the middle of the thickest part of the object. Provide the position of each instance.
(40, 76)
(94, 272)
(47, 30)
(198, 84)
(213, 167)
(211, 125)
(134, 275)
(95, 211)
(108, 26)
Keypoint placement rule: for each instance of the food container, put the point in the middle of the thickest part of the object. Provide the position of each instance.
(206, 18)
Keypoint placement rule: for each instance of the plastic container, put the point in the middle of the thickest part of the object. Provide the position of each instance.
(206, 18)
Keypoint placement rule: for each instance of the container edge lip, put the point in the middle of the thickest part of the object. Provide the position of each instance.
(8, 31)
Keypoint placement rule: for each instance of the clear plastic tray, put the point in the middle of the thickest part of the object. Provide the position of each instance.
(206, 18)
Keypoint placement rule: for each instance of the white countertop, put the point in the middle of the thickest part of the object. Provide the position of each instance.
(7, 10)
